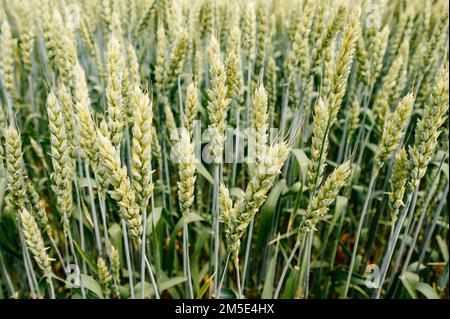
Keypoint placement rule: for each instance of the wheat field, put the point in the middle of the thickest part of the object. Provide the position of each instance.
(224, 149)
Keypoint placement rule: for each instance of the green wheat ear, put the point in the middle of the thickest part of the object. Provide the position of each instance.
(35, 243)
(122, 191)
(393, 130)
(428, 130)
(325, 196)
(141, 168)
(197, 148)
(16, 173)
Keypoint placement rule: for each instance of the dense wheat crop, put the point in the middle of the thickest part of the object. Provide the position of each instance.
(224, 149)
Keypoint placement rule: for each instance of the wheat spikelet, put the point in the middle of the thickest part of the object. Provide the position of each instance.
(430, 59)
(387, 93)
(228, 217)
(223, 15)
(362, 59)
(122, 191)
(48, 31)
(318, 23)
(16, 173)
(248, 31)
(160, 65)
(65, 54)
(171, 125)
(38, 209)
(399, 32)
(428, 130)
(218, 103)
(116, 116)
(86, 37)
(325, 196)
(186, 166)
(191, 108)
(106, 15)
(115, 265)
(134, 66)
(260, 121)
(131, 14)
(377, 53)
(255, 194)
(141, 147)
(261, 35)
(84, 121)
(328, 69)
(8, 46)
(143, 23)
(319, 144)
(115, 26)
(177, 58)
(35, 243)
(294, 19)
(343, 65)
(332, 29)
(104, 276)
(398, 182)
(393, 130)
(298, 57)
(233, 65)
(27, 39)
(62, 166)
(68, 112)
(353, 116)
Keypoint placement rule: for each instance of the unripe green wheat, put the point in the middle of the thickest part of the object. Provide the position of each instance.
(325, 196)
(35, 243)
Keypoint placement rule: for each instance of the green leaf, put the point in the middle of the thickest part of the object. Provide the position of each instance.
(372, 147)
(92, 265)
(156, 214)
(410, 281)
(199, 244)
(427, 291)
(291, 289)
(85, 217)
(341, 205)
(164, 285)
(443, 246)
(293, 190)
(115, 232)
(148, 290)
(190, 218)
(92, 285)
(413, 266)
(3, 184)
(267, 214)
(205, 287)
(226, 293)
(302, 161)
(201, 169)
(270, 276)
(172, 282)
(443, 279)
(361, 291)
